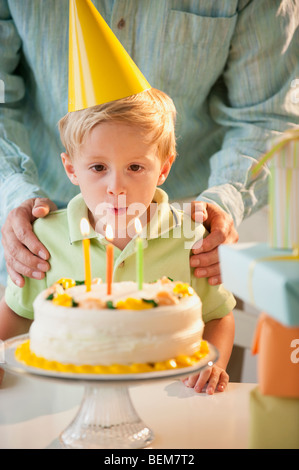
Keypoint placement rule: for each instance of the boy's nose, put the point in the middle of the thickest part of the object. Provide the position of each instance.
(116, 186)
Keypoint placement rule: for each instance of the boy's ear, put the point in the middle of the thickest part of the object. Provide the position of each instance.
(69, 168)
(165, 170)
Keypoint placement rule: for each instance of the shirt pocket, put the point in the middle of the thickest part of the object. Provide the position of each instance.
(195, 52)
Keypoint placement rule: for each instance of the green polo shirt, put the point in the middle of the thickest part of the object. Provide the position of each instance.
(167, 241)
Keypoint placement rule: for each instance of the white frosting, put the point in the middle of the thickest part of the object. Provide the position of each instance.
(108, 336)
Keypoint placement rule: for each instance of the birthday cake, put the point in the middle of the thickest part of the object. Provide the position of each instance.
(131, 330)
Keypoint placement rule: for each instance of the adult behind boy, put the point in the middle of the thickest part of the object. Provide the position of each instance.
(228, 65)
(118, 153)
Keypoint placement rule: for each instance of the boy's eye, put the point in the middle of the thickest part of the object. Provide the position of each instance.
(135, 167)
(98, 168)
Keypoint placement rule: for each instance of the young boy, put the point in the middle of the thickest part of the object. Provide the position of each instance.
(118, 153)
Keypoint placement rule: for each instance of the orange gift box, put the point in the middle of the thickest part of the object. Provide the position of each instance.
(278, 362)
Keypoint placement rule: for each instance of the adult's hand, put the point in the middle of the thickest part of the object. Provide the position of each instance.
(24, 254)
(205, 258)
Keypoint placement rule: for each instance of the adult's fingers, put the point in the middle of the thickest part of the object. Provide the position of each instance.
(17, 270)
(213, 273)
(22, 232)
(42, 207)
(205, 256)
(25, 255)
(198, 211)
(211, 242)
(221, 230)
(205, 259)
(207, 265)
(17, 235)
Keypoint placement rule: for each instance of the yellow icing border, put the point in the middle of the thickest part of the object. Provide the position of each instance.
(24, 355)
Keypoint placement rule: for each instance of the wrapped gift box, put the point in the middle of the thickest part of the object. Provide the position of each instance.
(283, 161)
(274, 421)
(261, 276)
(278, 362)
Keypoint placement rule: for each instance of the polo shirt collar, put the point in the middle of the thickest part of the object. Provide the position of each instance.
(164, 219)
(76, 210)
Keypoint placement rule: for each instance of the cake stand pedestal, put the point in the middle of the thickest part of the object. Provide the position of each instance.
(106, 418)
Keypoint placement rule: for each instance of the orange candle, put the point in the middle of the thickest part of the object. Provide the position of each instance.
(84, 226)
(109, 259)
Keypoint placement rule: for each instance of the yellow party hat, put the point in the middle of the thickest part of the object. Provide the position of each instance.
(100, 69)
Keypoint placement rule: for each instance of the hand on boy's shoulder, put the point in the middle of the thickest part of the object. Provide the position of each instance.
(205, 258)
(199, 211)
(42, 207)
(24, 254)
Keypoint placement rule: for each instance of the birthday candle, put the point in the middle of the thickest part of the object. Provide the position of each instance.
(84, 226)
(109, 259)
(139, 255)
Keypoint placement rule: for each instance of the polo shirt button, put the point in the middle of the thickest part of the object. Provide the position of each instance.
(121, 265)
(121, 24)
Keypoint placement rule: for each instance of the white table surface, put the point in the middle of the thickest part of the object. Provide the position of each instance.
(34, 412)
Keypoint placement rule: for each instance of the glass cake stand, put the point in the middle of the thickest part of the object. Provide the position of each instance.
(106, 418)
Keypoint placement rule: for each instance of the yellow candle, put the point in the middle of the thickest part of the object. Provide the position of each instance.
(139, 255)
(84, 226)
(109, 259)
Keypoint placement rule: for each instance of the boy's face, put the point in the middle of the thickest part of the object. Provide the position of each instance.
(117, 171)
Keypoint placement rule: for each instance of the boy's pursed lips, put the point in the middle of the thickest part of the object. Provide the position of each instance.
(118, 210)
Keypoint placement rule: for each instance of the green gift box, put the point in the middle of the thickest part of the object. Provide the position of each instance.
(274, 421)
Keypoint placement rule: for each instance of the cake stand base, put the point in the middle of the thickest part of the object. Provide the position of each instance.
(106, 419)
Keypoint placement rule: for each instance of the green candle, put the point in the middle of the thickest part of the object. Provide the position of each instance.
(139, 255)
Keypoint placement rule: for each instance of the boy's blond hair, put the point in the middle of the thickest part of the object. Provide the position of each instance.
(152, 110)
